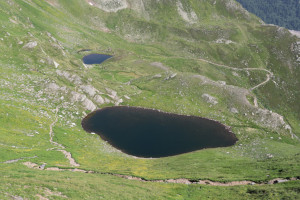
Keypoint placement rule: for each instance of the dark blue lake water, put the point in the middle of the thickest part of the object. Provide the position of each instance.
(95, 59)
(150, 133)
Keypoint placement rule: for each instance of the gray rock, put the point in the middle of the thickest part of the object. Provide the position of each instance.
(110, 5)
(157, 76)
(270, 119)
(118, 102)
(296, 33)
(222, 83)
(77, 97)
(99, 99)
(42, 166)
(30, 45)
(89, 89)
(73, 78)
(112, 94)
(171, 76)
(187, 14)
(88, 104)
(53, 87)
(127, 97)
(210, 99)
(234, 110)
(55, 64)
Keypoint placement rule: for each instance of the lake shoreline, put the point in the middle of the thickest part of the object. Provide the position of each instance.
(218, 130)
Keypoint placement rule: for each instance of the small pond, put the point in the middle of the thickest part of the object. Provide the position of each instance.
(95, 58)
(150, 133)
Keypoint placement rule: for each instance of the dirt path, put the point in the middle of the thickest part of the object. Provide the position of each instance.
(68, 155)
(255, 102)
(60, 147)
(266, 81)
(269, 73)
(51, 134)
(175, 181)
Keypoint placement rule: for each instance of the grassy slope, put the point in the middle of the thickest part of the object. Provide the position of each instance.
(25, 118)
(27, 183)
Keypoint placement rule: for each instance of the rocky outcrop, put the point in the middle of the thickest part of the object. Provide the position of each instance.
(232, 5)
(210, 99)
(110, 5)
(224, 41)
(296, 33)
(73, 78)
(53, 87)
(237, 93)
(295, 47)
(187, 15)
(173, 75)
(234, 110)
(87, 103)
(90, 90)
(112, 94)
(98, 99)
(30, 45)
(270, 119)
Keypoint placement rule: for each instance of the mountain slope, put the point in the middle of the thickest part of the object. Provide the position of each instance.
(281, 13)
(167, 55)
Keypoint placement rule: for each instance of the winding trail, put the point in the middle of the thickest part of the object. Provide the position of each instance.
(175, 181)
(269, 73)
(263, 83)
(60, 147)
